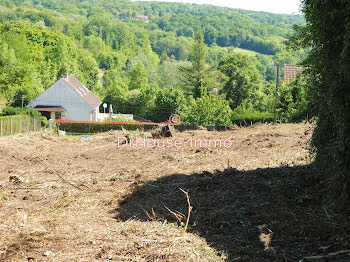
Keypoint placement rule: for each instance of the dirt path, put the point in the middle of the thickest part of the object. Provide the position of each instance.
(259, 200)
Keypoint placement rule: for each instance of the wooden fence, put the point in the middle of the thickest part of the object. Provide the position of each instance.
(12, 125)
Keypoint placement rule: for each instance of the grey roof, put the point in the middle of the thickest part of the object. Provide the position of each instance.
(81, 90)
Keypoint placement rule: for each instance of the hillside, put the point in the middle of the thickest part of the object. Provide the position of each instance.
(256, 31)
(135, 55)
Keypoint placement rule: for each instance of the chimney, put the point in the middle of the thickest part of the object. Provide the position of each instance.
(66, 76)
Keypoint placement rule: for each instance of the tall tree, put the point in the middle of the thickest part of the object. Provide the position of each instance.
(244, 80)
(328, 33)
(195, 73)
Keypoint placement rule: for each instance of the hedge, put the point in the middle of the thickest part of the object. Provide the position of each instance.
(90, 127)
(251, 117)
(10, 111)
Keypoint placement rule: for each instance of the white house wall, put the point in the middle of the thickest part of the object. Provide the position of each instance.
(61, 95)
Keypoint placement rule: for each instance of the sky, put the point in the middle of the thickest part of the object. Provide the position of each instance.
(273, 6)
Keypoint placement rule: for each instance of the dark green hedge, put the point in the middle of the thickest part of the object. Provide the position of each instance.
(251, 117)
(95, 127)
(10, 111)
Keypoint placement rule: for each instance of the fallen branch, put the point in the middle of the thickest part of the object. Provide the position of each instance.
(176, 214)
(189, 208)
(328, 256)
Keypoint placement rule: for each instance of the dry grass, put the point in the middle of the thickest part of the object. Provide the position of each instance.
(115, 208)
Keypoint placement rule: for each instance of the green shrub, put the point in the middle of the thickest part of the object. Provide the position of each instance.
(244, 116)
(120, 118)
(10, 111)
(293, 101)
(95, 127)
(208, 110)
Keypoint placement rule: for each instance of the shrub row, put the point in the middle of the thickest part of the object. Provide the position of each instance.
(10, 111)
(89, 127)
(244, 118)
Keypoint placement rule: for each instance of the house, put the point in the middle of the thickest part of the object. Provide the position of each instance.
(68, 99)
(291, 72)
(141, 17)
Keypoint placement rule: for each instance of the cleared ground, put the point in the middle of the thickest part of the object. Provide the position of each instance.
(86, 199)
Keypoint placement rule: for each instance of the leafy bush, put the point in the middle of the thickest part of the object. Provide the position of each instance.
(244, 116)
(293, 102)
(327, 33)
(10, 111)
(209, 110)
(119, 118)
(89, 127)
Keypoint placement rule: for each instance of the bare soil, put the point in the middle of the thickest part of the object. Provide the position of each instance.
(87, 199)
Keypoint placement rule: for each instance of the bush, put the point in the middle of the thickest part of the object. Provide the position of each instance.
(95, 127)
(293, 101)
(208, 110)
(10, 111)
(245, 114)
(246, 117)
(119, 118)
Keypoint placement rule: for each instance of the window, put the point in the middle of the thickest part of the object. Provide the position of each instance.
(58, 115)
(81, 89)
(87, 90)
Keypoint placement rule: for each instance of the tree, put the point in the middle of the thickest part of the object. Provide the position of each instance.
(327, 33)
(164, 58)
(208, 110)
(167, 101)
(138, 77)
(195, 73)
(293, 100)
(244, 80)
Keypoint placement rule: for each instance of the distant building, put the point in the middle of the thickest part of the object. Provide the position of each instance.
(142, 17)
(68, 99)
(122, 16)
(291, 72)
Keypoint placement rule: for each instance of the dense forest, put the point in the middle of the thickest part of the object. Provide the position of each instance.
(212, 65)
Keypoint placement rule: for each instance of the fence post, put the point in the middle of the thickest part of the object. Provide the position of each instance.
(50, 124)
(11, 125)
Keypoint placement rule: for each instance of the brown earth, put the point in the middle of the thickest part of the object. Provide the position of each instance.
(86, 199)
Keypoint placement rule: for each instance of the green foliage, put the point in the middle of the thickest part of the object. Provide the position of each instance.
(194, 74)
(3, 103)
(327, 33)
(32, 58)
(94, 127)
(208, 110)
(138, 77)
(293, 101)
(242, 116)
(9, 111)
(167, 103)
(244, 81)
(4, 196)
(146, 66)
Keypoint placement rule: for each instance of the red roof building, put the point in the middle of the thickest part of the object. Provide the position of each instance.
(291, 72)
